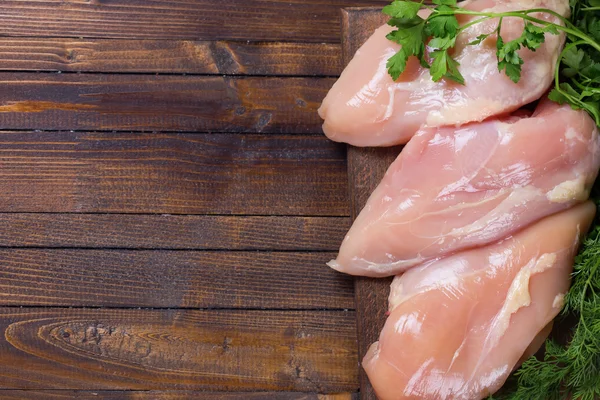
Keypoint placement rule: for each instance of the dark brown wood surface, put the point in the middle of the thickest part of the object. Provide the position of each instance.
(170, 56)
(366, 167)
(290, 20)
(224, 350)
(189, 232)
(168, 202)
(164, 395)
(179, 279)
(171, 173)
(50, 101)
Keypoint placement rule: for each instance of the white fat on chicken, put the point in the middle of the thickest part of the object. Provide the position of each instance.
(459, 336)
(457, 188)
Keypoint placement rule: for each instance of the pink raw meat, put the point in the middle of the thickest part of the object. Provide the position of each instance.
(456, 188)
(365, 107)
(460, 325)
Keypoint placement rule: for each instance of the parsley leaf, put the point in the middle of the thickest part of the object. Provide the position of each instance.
(445, 2)
(445, 66)
(411, 37)
(440, 25)
(397, 64)
(402, 9)
(479, 39)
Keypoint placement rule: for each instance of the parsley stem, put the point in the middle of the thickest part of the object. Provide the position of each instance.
(518, 14)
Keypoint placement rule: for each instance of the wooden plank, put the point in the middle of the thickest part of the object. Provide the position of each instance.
(289, 20)
(174, 349)
(165, 395)
(170, 56)
(51, 101)
(191, 232)
(171, 279)
(171, 173)
(366, 167)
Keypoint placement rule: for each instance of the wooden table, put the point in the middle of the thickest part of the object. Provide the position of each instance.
(168, 202)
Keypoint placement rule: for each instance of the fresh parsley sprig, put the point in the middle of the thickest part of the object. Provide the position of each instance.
(439, 32)
(577, 85)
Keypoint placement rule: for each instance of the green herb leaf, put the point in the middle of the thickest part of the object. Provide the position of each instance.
(411, 37)
(451, 3)
(479, 39)
(443, 65)
(444, 43)
(397, 64)
(402, 9)
(442, 25)
(532, 37)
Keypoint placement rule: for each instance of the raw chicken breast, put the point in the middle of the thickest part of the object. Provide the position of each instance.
(366, 107)
(455, 188)
(459, 326)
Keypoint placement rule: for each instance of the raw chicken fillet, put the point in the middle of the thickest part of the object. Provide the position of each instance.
(365, 107)
(458, 326)
(457, 188)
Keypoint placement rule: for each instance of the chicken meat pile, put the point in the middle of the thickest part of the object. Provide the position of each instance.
(480, 216)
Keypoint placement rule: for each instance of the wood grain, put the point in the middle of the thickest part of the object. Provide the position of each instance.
(171, 279)
(289, 20)
(174, 349)
(170, 56)
(171, 173)
(191, 232)
(51, 101)
(164, 395)
(366, 168)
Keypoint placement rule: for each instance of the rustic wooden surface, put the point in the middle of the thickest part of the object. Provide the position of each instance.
(290, 20)
(168, 201)
(165, 395)
(366, 167)
(170, 56)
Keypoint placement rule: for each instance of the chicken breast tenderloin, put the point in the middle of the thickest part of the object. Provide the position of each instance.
(458, 326)
(365, 107)
(457, 188)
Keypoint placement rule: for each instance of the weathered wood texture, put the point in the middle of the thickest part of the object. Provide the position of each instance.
(366, 167)
(165, 56)
(173, 279)
(293, 20)
(192, 232)
(174, 349)
(52, 101)
(164, 395)
(204, 232)
(171, 173)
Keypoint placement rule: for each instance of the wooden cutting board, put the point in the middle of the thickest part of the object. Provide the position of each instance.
(366, 167)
